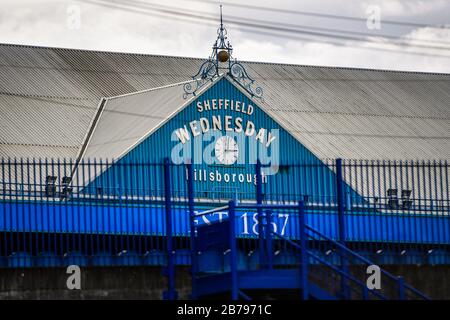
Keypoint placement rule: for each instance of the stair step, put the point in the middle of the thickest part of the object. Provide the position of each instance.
(279, 280)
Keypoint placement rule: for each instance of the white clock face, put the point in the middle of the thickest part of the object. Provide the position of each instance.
(226, 150)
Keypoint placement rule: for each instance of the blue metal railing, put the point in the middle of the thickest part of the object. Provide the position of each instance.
(352, 286)
(118, 209)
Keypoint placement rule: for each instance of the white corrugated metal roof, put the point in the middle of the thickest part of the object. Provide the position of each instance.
(49, 96)
(127, 119)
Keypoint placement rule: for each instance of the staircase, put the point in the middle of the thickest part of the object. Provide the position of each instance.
(332, 273)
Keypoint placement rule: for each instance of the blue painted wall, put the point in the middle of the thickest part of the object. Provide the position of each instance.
(148, 220)
(316, 181)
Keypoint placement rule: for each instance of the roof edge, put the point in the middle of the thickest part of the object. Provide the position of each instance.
(151, 89)
(242, 61)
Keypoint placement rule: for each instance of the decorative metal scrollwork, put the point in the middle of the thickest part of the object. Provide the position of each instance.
(221, 59)
(238, 72)
(207, 72)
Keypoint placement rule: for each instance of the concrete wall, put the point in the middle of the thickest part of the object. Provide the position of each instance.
(148, 283)
(433, 280)
(96, 283)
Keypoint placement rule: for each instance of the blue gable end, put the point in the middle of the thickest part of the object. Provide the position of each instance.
(223, 109)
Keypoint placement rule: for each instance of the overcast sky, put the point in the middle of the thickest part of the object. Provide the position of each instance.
(162, 27)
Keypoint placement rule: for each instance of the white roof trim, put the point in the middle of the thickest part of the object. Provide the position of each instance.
(173, 114)
(152, 89)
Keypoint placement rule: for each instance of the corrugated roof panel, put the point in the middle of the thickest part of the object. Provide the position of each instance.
(335, 112)
(125, 120)
(25, 151)
(43, 121)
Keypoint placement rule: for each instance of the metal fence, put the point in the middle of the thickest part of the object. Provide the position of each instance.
(53, 212)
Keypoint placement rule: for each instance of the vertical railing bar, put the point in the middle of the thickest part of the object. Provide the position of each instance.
(304, 251)
(361, 226)
(269, 240)
(20, 200)
(147, 204)
(436, 197)
(60, 208)
(89, 210)
(29, 202)
(414, 178)
(47, 244)
(100, 226)
(125, 189)
(369, 197)
(430, 224)
(85, 236)
(194, 267)
(407, 226)
(425, 197)
(41, 214)
(122, 192)
(388, 185)
(398, 185)
(447, 199)
(441, 211)
(375, 196)
(115, 192)
(69, 210)
(397, 209)
(342, 231)
(259, 200)
(233, 253)
(380, 199)
(11, 239)
(110, 194)
(76, 215)
(5, 224)
(16, 202)
(170, 293)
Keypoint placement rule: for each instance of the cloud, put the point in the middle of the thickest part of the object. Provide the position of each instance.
(103, 28)
(406, 8)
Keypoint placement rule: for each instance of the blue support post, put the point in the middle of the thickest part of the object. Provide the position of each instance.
(233, 253)
(340, 200)
(194, 266)
(171, 293)
(401, 288)
(260, 212)
(304, 250)
(340, 197)
(269, 244)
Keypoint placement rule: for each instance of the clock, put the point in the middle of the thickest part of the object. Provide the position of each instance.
(226, 150)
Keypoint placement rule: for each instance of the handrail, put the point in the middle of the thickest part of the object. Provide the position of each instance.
(348, 276)
(346, 253)
(218, 209)
(391, 276)
(339, 245)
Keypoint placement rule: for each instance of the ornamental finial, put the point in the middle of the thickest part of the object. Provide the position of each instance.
(221, 59)
(221, 20)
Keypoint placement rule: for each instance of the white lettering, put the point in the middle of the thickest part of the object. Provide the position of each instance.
(183, 135)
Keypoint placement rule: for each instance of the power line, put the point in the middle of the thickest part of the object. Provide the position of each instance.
(366, 34)
(287, 27)
(271, 31)
(321, 15)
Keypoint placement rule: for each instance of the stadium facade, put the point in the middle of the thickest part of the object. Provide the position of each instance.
(97, 126)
